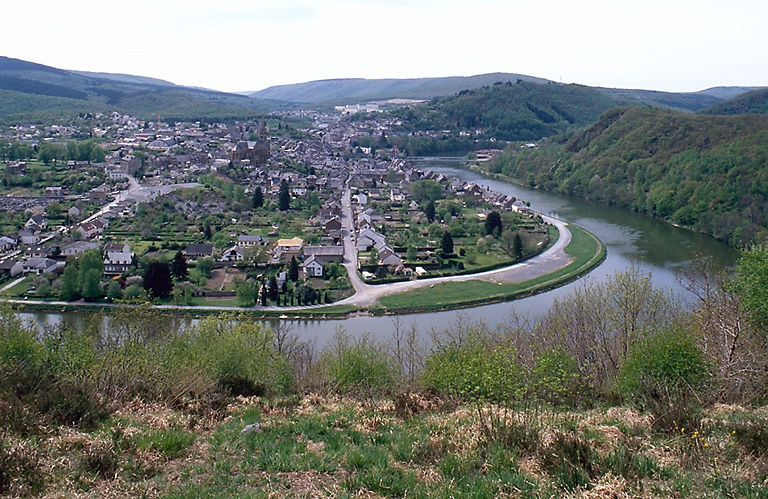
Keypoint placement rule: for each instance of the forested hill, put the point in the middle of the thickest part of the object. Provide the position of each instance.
(511, 111)
(709, 173)
(755, 101)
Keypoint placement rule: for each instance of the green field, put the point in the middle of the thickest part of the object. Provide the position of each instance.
(584, 247)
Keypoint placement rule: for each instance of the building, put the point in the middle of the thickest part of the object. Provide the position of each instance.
(78, 247)
(198, 250)
(325, 254)
(312, 267)
(117, 258)
(255, 152)
(248, 241)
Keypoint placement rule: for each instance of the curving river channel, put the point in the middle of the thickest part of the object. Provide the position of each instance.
(631, 239)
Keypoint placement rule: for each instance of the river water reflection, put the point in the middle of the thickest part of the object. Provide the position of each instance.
(631, 239)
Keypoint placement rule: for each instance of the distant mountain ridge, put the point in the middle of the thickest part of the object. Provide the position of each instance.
(351, 89)
(28, 90)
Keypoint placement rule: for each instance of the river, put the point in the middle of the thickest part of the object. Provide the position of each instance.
(631, 239)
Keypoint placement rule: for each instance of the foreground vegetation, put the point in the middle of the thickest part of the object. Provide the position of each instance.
(617, 390)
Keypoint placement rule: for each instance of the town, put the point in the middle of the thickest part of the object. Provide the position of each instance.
(289, 211)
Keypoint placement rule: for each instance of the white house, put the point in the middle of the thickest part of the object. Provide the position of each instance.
(312, 267)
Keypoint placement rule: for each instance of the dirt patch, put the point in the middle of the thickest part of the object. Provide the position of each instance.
(222, 278)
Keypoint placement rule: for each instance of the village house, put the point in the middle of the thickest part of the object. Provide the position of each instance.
(39, 266)
(117, 258)
(312, 267)
(39, 251)
(11, 267)
(28, 236)
(75, 210)
(78, 247)
(233, 254)
(194, 251)
(325, 254)
(8, 243)
(248, 241)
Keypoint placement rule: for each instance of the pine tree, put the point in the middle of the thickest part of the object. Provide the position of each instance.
(179, 266)
(517, 247)
(157, 279)
(258, 198)
(447, 243)
(293, 270)
(284, 196)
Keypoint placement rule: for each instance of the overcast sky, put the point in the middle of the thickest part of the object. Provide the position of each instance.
(238, 45)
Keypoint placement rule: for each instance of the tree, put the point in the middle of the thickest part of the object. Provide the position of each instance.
(91, 284)
(410, 254)
(91, 270)
(284, 198)
(426, 190)
(70, 283)
(258, 198)
(373, 258)
(447, 243)
(517, 247)
(157, 279)
(752, 284)
(179, 266)
(205, 265)
(429, 210)
(293, 270)
(273, 289)
(114, 290)
(493, 223)
(246, 294)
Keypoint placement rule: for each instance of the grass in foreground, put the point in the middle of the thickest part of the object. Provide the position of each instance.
(414, 445)
(586, 250)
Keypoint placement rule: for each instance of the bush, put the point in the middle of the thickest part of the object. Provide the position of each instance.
(357, 365)
(468, 368)
(555, 377)
(666, 374)
(20, 471)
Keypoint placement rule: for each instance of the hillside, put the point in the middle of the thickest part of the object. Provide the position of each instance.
(29, 90)
(361, 89)
(683, 101)
(755, 101)
(511, 111)
(709, 173)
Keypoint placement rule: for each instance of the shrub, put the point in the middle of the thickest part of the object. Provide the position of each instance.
(20, 471)
(665, 373)
(555, 377)
(569, 459)
(357, 364)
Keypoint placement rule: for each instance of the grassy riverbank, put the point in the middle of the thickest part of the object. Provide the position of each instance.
(586, 250)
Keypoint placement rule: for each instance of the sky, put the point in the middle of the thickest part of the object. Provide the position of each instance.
(244, 45)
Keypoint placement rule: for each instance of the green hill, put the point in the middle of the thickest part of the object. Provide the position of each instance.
(709, 173)
(30, 91)
(511, 111)
(755, 101)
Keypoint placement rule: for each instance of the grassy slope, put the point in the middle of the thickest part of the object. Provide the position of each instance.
(704, 172)
(586, 250)
(315, 446)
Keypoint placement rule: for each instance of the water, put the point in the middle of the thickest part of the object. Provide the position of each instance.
(631, 239)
